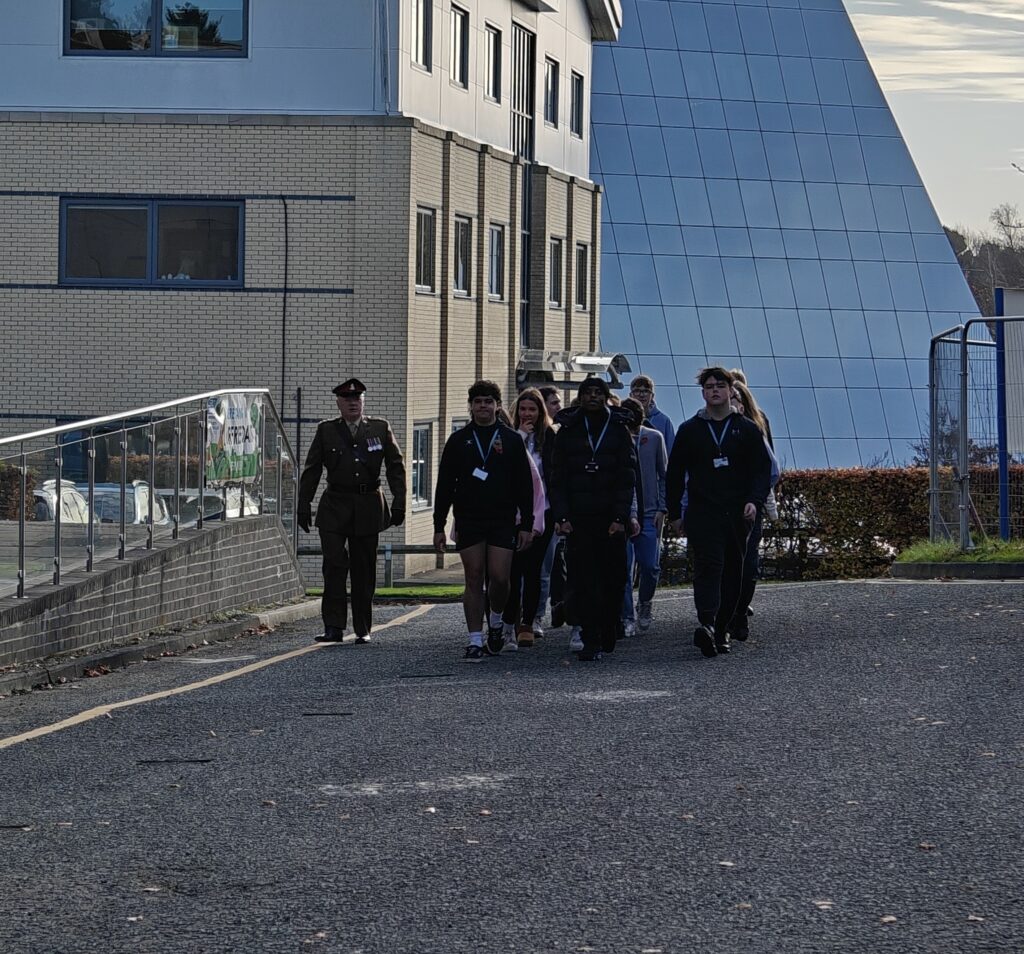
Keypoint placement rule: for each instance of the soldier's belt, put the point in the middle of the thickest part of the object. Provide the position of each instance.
(370, 488)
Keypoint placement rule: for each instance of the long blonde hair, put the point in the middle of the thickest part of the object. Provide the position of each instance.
(750, 408)
(540, 429)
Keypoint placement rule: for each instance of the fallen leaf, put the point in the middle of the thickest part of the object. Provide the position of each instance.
(688, 817)
(269, 803)
(137, 917)
(214, 734)
(974, 917)
(744, 906)
(484, 811)
(824, 904)
(430, 810)
(472, 841)
(926, 846)
(888, 919)
(727, 864)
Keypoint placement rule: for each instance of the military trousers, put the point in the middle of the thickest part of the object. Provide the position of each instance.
(349, 556)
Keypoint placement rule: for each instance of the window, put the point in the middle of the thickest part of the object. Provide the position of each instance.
(151, 242)
(459, 60)
(463, 255)
(492, 77)
(424, 250)
(157, 27)
(555, 273)
(496, 263)
(422, 14)
(576, 107)
(420, 465)
(551, 92)
(458, 423)
(582, 280)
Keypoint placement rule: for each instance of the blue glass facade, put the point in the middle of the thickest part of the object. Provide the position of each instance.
(762, 211)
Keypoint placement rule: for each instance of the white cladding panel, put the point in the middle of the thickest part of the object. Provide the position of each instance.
(1013, 341)
(305, 56)
(563, 35)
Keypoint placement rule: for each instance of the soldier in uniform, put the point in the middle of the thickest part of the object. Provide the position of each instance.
(352, 511)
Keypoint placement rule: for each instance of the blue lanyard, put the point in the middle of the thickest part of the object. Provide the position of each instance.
(479, 446)
(725, 430)
(590, 440)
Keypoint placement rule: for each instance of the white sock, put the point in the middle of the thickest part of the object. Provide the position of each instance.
(476, 639)
(495, 619)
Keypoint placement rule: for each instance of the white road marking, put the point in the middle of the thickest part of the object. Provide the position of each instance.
(100, 711)
(447, 783)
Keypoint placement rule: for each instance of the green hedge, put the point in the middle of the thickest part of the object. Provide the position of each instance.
(10, 493)
(834, 524)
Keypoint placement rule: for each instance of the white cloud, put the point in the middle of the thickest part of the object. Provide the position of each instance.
(918, 46)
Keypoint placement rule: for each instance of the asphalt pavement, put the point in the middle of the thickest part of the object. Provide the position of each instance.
(848, 780)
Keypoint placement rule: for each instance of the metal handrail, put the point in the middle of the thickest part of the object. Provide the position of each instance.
(139, 412)
(198, 401)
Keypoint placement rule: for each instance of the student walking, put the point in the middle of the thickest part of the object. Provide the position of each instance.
(720, 459)
(745, 403)
(644, 550)
(592, 485)
(484, 475)
(641, 389)
(530, 418)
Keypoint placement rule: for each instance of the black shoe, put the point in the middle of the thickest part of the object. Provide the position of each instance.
(365, 638)
(331, 634)
(588, 655)
(722, 646)
(740, 631)
(495, 639)
(557, 615)
(608, 646)
(474, 654)
(704, 640)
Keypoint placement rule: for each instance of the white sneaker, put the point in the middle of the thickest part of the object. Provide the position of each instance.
(628, 629)
(508, 634)
(538, 631)
(576, 640)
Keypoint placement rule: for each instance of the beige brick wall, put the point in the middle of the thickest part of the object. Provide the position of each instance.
(352, 188)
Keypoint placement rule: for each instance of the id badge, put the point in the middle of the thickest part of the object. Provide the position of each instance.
(591, 467)
(480, 474)
(721, 462)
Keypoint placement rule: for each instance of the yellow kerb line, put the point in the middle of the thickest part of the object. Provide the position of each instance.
(99, 711)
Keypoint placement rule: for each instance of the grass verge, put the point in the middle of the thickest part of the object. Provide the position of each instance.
(989, 551)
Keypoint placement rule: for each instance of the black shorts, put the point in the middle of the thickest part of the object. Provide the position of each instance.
(494, 533)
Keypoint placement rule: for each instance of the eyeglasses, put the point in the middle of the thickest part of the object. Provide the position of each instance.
(640, 391)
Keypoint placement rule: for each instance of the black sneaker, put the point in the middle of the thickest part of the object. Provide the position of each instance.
(495, 639)
(331, 634)
(740, 631)
(722, 646)
(557, 615)
(704, 640)
(365, 638)
(474, 654)
(588, 655)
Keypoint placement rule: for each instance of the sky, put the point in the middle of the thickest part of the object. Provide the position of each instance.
(953, 72)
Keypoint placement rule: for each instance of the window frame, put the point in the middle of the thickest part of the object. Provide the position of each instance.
(458, 54)
(496, 228)
(462, 228)
(156, 47)
(554, 242)
(426, 9)
(552, 81)
(576, 104)
(423, 500)
(492, 63)
(153, 205)
(581, 280)
(423, 289)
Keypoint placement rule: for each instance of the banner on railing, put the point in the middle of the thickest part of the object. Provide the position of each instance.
(233, 439)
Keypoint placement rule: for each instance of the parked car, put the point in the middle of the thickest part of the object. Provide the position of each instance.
(74, 508)
(213, 504)
(136, 503)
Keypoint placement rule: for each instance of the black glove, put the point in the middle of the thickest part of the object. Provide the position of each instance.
(397, 518)
(305, 518)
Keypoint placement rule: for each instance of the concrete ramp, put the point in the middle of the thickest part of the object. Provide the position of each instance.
(232, 565)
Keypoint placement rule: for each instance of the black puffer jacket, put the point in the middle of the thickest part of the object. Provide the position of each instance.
(604, 493)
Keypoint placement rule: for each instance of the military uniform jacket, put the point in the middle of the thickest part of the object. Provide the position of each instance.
(353, 502)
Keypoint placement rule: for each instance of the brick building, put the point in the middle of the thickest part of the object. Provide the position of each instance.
(241, 193)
